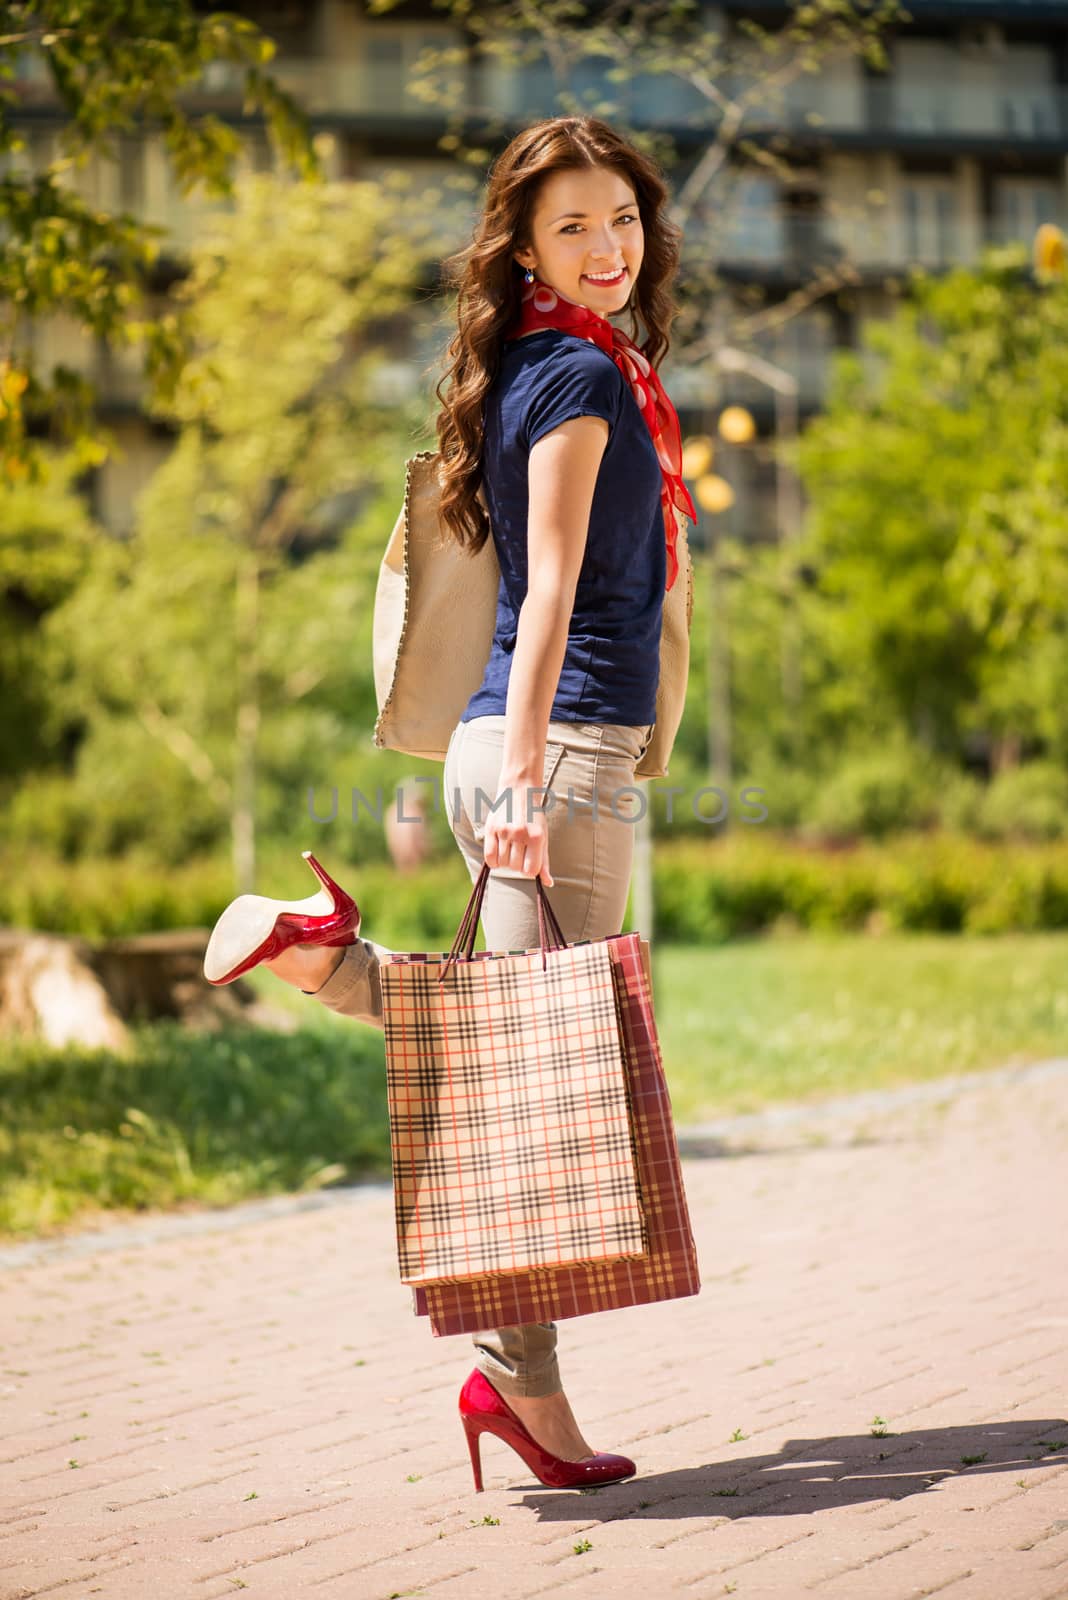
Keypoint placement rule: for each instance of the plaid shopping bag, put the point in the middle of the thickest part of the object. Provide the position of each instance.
(669, 1270)
(509, 1120)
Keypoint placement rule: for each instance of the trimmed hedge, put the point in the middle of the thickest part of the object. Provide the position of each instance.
(740, 886)
(707, 890)
(103, 899)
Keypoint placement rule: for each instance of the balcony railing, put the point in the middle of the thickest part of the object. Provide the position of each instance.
(768, 239)
(828, 102)
(831, 102)
(1035, 112)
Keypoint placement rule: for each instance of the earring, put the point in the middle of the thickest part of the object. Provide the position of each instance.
(530, 274)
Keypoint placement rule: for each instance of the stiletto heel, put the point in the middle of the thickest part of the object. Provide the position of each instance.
(483, 1410)
(473, 1445)
(254, 929)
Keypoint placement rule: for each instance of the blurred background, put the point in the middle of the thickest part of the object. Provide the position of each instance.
(223, 320)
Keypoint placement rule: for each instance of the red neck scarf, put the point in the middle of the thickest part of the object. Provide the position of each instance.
(543, 307)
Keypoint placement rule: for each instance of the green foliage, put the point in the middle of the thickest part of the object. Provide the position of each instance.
(1027, 802)
(707, 891)
(936, 526)
(787, 791)
(960, 802)
(742, 885)
(46, 546)
(211, 1118)
(119, 799)
(100, 898)
(62, 251)
(889, 789)
(219, 659)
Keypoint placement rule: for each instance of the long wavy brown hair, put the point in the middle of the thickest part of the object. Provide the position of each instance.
(489, 281)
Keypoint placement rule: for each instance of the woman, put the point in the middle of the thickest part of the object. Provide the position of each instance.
(561, 420)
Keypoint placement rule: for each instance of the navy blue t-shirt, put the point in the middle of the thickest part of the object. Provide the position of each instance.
(612, 663)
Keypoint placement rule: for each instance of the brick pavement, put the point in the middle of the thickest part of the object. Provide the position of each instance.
(244, 1402)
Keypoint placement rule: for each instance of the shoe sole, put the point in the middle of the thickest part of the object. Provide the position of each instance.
(247, 923)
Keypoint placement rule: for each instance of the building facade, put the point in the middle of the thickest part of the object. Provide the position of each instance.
(963, 142)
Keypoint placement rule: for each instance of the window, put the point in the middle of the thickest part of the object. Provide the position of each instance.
(929, 216)
(1021, 205)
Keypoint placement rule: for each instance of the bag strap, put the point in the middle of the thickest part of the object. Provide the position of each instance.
(543, 903)
(464, 941)
(550, 933)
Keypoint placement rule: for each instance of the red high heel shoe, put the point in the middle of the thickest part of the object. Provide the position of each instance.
(483, 1410)
(253, 929)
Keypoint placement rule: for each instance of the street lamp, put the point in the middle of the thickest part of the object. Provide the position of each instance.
(784, 387)
(715, 494)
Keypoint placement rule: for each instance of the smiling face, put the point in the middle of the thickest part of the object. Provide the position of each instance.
(586, 222)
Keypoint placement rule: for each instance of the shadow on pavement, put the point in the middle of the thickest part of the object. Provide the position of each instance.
(809, 1475)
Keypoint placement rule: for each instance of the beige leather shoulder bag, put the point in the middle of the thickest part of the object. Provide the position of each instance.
(434, 616)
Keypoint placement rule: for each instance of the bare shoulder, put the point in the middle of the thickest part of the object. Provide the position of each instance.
(563, 468)
(578, 437)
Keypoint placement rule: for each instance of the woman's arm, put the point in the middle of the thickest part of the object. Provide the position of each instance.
(562, 475)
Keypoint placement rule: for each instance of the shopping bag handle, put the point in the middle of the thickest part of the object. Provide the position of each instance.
(550, 933)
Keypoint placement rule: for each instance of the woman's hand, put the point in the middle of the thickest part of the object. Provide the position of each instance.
(520, 845)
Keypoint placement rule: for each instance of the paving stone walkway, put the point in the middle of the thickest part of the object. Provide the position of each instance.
(867, 1401)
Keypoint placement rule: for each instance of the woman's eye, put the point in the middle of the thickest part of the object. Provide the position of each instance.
(627, 217)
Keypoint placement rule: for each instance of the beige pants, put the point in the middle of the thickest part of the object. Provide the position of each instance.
(589, 772)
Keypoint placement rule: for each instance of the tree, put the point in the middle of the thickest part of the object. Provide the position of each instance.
(937, 478)
(46, 545)
(111, 68)
(245, 595)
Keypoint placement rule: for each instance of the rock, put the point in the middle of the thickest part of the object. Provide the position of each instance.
(48, 991)
(66, 990)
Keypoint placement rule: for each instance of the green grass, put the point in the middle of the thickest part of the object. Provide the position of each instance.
(756, 1021)
(185, 1120)
(194, 1120)
(751, 1023)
